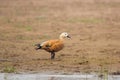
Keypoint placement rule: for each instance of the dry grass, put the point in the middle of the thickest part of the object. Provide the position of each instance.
(94, 27)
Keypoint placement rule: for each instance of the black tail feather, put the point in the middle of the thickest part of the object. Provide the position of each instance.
(37, 46)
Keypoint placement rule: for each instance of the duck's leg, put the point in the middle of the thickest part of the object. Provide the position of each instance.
(52, 55)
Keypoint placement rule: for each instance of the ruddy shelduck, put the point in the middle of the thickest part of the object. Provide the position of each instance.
(53, 46)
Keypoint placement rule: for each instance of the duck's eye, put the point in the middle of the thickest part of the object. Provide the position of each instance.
(65, 34)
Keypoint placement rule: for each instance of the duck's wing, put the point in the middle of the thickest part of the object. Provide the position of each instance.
(48, 43)
(52, 45)
(57, 46)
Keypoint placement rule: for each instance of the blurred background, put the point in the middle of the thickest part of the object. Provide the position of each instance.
(94, 26)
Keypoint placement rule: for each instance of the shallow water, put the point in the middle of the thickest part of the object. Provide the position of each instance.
(45, 76)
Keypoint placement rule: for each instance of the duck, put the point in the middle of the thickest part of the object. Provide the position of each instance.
(53, 46)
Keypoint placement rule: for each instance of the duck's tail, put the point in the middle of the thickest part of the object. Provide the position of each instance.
(38, 46)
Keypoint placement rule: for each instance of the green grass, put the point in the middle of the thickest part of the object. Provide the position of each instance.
(28, 28)
(9, 69)
(104, 72)
(85, 20)
(20, 37)
(44, 37)
(22, 26)
(5, 20)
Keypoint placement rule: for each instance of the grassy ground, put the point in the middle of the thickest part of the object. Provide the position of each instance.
(93, 25)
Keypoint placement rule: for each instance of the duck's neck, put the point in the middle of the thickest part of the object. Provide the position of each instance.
(61, 38)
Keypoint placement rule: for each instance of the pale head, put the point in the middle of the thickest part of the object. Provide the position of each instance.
(64, 35)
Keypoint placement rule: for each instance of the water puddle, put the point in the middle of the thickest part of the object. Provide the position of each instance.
(45, 76)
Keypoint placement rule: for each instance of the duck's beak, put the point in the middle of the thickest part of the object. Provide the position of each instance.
(68, 37)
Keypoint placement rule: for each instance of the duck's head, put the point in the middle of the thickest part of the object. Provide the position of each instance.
(64, 35)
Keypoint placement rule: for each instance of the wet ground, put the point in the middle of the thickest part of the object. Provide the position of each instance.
(58, 76)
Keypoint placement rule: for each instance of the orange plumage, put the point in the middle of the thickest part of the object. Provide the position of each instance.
(53, 46)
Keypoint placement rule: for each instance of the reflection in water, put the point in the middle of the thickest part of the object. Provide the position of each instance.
(41, 76)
